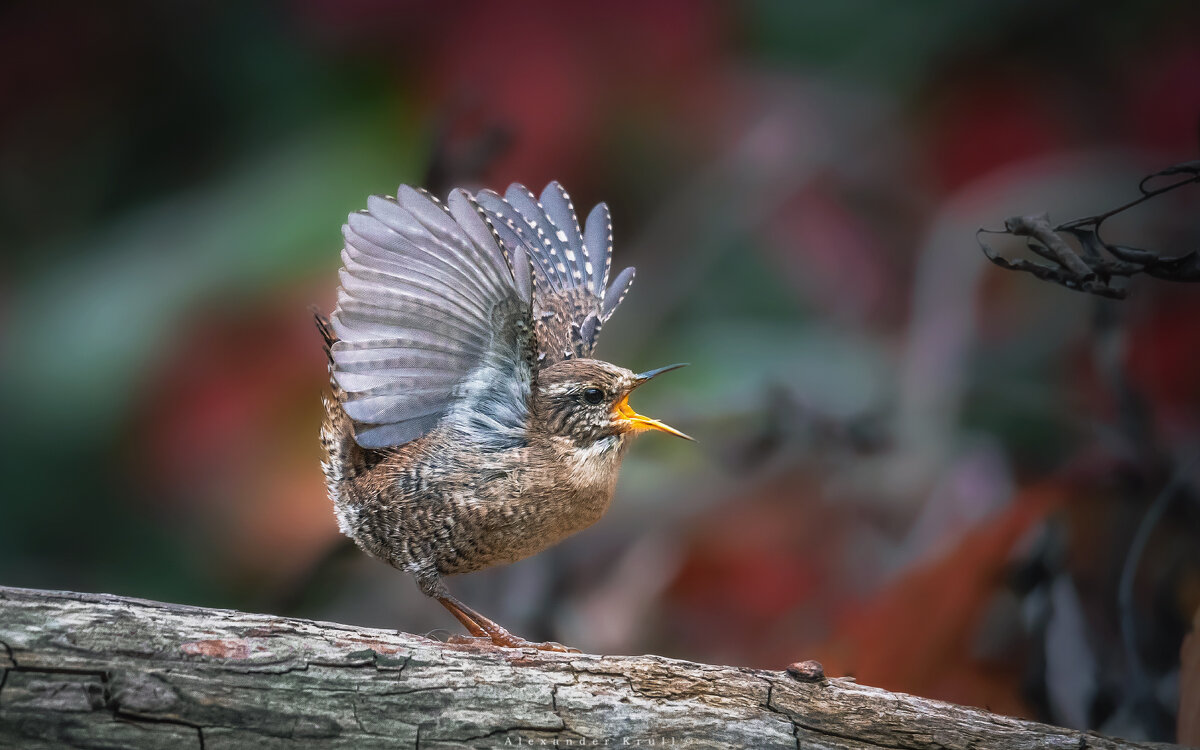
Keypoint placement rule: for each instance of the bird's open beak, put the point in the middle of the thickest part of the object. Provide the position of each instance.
(637, 421)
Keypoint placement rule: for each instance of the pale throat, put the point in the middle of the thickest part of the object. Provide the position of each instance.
(593, 465)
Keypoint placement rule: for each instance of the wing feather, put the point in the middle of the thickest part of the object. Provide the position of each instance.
(561, 213)
(444, 308)
(540, 230)
(431, 312)
(417, 247)
(598, 238)
(515, 232)
(570, 265)
(395, 433)
(617, 292)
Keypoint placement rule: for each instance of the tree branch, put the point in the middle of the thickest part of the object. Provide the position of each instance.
(1089, 270)
(89, 671)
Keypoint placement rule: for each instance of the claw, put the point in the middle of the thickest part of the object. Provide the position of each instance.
(484, 630)
(513, 641)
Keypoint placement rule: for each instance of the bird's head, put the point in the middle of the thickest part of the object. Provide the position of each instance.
(587, 400)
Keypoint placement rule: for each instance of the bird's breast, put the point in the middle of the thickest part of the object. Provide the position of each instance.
(561, 489)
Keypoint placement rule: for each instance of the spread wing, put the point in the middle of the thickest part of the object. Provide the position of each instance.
(433, 317)
(572, 297)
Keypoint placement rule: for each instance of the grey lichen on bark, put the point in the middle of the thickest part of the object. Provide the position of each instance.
(92, 671)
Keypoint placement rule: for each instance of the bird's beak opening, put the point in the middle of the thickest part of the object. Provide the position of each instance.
(637, 422)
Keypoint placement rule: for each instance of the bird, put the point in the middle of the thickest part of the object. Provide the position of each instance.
(467, 424)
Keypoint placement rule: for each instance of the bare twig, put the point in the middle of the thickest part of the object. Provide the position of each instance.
(1093, 269)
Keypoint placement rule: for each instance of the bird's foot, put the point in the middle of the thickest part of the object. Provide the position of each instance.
(484, 629)
(508, 640)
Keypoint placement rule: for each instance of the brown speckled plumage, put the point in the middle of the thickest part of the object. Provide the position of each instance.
(468, 425)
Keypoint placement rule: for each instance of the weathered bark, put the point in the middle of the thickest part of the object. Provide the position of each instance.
(84, 670)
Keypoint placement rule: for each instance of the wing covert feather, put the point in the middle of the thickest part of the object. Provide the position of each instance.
(570, 265)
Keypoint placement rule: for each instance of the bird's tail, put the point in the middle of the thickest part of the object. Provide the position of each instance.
(344, 459)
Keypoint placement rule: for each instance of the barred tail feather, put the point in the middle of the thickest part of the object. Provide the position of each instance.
(344, 459)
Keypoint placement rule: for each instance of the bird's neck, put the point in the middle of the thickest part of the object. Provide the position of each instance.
(591, 467)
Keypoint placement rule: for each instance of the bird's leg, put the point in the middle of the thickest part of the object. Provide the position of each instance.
(468, 622)
(431, 585)
(481, 626)
(476, 624)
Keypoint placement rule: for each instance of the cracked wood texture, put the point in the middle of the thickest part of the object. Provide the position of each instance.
(100, 671)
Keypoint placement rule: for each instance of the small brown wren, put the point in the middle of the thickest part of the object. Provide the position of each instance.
(469, 426)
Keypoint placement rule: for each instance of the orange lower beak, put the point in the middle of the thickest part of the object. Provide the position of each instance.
(637, 422)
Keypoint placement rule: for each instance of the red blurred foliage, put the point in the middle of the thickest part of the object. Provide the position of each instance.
(916, 634)
(750, 564)
(228, 431)
(225, 380)
(988, 120)
(780, 589)
(1162, 96)
(554, 95)
(556, 74)
(1162, 360)
(987, 123)
(830, 255)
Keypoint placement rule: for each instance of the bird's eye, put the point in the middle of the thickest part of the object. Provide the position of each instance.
(593, 395)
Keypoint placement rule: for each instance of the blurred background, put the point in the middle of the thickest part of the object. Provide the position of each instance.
(925, 471)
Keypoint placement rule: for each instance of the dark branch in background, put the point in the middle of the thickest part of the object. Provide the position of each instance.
(788, 426)
(1094, 269)
(1142, 683)
(1077, 256)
